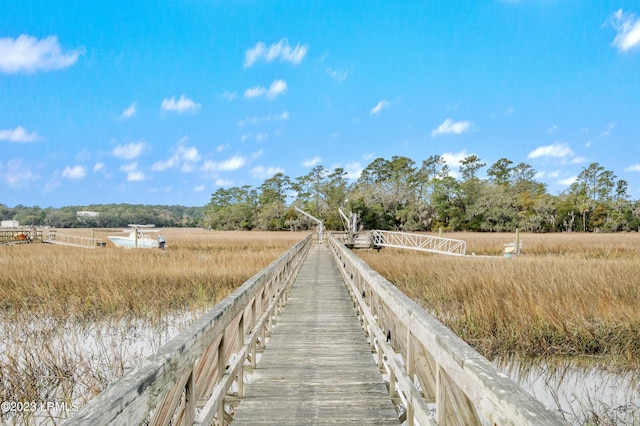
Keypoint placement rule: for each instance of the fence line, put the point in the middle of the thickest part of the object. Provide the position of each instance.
(431, 369)
(188, 379)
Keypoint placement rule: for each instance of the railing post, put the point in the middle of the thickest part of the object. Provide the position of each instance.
(240, 344)
(410, 366)
(190, 400)
(222, 365)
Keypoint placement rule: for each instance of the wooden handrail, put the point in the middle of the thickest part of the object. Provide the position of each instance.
(198, 367)
(430, 367)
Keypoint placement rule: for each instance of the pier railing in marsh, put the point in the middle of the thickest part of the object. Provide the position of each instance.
(434, 374)
(188, 379)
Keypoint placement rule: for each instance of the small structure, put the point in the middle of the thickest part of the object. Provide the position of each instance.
(10, 224)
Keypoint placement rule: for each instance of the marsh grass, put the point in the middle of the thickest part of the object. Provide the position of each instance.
(74, 320)
(568, 294)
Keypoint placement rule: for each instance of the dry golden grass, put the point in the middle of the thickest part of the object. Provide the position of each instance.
(74, 320)
(198, 269)
(568, 294)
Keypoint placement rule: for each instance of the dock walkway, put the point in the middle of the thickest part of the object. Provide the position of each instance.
(317, 368)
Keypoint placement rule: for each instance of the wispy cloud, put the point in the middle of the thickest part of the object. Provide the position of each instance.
(16, 173)
(261, 172)
(27, 53)
(339, 76)
(450, 127)
(19, 134)
(627, 26)
(184, 156)
(129, 151)
(181, 105)
(232, 163)
(277, 87)
(128, 112)
(135, 176)
(229, 96)
(379, 106)
(312, 162)
(633, 168)
(557, 150)
(253, 121)
(74, 173)
(281, 51)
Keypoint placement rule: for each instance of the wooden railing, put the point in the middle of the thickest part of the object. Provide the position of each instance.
(188, 379)
(433, 374)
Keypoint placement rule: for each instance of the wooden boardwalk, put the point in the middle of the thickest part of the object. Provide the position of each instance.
(317, 368)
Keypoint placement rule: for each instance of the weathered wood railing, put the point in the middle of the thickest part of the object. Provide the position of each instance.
(431, 369)
(187, 380)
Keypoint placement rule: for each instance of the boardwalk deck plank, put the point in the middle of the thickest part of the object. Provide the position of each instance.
(318, 368)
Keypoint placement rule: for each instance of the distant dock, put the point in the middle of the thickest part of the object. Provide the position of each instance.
(46, 235)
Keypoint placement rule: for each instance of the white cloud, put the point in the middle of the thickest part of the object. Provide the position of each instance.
(552, 128)
(254, 121)
(232, 163)
(183, 156)
(135, 176)
(27, 53)
(379, 106)
(277, 87)
(76, 172)
(557, 150)
(223, 182)
(340, 76)
(452, 159)
(452, 127)
(607, 132)
(261, 172)
(312, 162)
(129, 167)
(578, 160)
(353, 169)
(198, 188)
(128, 112)
(229, 96)
(181, 105)
(129, 151)
(254, 92)
(280, 50)
(98, 167)
(16, 173)
(568, 181)
(19, 134)
(627, 26)
(633, 168)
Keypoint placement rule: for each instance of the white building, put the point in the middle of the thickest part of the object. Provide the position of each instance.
(86, 213)
(10, 224)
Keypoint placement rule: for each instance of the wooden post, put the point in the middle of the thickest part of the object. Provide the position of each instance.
(190, 400)
(222, 366)
(410, 372)
(517, 241)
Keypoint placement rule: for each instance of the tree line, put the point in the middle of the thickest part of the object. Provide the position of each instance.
(398, 194)
(109, 215)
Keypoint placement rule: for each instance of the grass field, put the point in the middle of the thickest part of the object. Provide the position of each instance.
(567, 295)
(74, 320)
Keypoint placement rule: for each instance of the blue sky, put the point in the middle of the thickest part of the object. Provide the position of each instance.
(164, 102)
